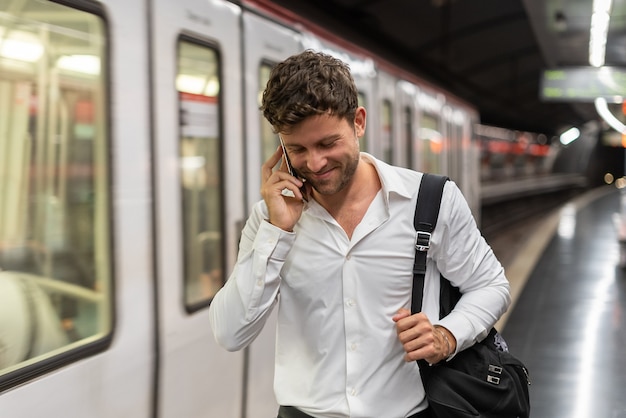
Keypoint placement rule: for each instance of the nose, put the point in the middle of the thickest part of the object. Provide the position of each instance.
(316, 161)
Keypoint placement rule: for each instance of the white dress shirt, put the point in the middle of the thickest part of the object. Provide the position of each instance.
(337, 352)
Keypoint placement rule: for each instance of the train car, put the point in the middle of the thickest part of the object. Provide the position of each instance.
(507, 154)
(130, 148)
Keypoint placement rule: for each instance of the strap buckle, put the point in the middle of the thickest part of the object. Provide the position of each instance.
(422, 241)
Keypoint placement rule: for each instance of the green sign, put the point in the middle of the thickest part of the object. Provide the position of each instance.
(583, 84)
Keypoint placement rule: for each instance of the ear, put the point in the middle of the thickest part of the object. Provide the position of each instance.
(360, 117)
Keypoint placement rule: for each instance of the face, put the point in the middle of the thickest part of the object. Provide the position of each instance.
(325, 150)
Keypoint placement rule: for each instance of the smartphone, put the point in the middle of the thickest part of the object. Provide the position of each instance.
(291, 170)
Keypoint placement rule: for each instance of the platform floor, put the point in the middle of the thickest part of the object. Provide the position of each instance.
(568, 320)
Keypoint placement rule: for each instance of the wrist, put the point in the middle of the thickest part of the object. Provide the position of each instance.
(447, 338)
(279, 226)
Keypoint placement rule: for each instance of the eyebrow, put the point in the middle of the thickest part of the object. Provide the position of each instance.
(331, 137)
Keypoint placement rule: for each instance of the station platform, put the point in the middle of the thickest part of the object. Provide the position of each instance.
(568, 317)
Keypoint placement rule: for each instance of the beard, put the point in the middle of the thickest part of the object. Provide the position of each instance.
(334, 185)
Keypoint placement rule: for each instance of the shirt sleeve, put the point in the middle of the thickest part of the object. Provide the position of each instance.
(463, 256)
(240, 308)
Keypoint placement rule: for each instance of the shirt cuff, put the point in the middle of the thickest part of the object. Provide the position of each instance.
(462, 330)
(277, 242)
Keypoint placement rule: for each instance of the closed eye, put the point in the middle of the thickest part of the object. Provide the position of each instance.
(328, 144)
(296, 150)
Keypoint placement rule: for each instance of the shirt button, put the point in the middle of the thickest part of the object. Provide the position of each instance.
(353, 347)
(353, 392)
(350, 303)
(348, 257)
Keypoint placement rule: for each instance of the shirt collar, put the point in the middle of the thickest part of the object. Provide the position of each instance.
(390, 178)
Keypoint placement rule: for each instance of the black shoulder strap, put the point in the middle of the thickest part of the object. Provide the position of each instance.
(426, 213)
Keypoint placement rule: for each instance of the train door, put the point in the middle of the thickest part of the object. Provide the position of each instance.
(198, 187)
(365, 78)
(406, 149)
(471, 162)
(453, 132)
(365, 83)
(265, 44)
(386, 107)
(462, 160)
(76, 298)
(430, 132)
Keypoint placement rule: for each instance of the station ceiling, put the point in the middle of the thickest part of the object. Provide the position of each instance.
(491, 53)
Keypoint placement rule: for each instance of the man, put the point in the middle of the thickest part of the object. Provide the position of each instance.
(336, 253)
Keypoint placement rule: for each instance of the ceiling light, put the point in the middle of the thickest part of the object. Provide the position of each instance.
(570, 135)
(86, 64)
(20, 45)
(599, 30)
(603, 110)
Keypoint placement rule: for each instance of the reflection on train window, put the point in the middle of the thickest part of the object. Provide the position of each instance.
(55, 290)
(432, 143)
(269, 139)
(364, 142)
(198, 86)
(387, 131)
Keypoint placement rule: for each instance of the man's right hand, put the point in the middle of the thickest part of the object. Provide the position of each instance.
(284, 210)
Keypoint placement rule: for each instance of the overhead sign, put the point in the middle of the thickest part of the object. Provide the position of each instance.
(584, 84)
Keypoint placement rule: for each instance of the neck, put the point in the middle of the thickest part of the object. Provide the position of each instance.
(359, 192)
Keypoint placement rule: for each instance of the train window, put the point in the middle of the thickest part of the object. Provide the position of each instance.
(387, 131)
(431, 143)
(407, 115)
(55, 259)
(362, 101)
(269, 139)
(455, 151)
(198, 85)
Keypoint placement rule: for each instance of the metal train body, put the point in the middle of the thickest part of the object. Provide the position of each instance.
(130, 152)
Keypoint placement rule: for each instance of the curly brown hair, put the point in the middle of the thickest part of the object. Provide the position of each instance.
(307, 84)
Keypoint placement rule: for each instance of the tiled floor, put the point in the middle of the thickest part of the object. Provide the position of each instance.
(568, 323)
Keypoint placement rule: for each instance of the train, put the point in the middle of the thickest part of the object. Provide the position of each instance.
(130, 150)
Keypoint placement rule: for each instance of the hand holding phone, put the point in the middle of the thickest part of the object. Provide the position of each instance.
(291, 170)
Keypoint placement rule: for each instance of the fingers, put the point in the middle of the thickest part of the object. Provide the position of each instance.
(411, 327)
(274, 181)
(268, 166)
(284, 210)
(278, 182)
(267, 169)
(402, 313)
(419, 338)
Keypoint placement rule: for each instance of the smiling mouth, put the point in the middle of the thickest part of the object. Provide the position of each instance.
(321, 176)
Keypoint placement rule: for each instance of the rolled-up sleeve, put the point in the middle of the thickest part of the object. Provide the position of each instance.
(239, 310)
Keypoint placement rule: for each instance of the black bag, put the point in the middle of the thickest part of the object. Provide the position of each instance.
(484, 380)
